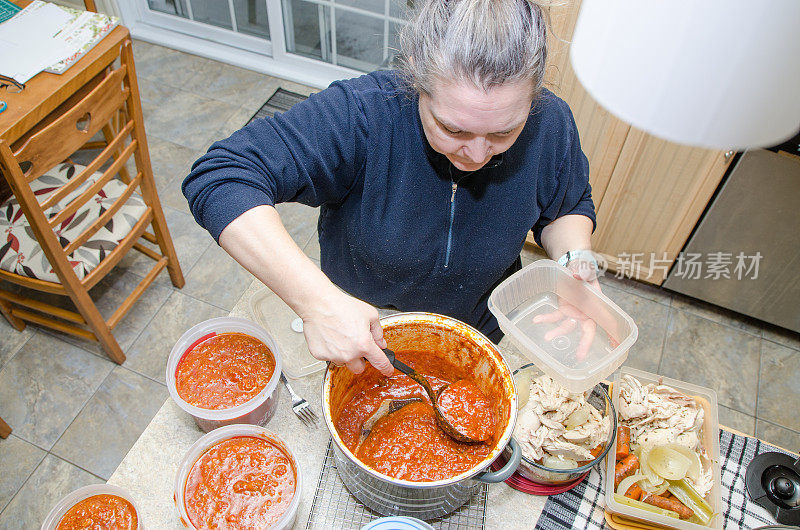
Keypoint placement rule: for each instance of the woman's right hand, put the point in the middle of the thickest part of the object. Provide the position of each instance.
(346, 331)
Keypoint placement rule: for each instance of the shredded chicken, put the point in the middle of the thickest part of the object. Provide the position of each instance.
(555, 423)
(660, 415)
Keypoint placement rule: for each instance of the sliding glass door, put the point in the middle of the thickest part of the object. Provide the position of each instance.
(307, 40)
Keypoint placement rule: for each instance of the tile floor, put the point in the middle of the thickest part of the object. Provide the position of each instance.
(75, 414)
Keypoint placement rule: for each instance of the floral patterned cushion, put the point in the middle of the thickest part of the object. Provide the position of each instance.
(20, 253)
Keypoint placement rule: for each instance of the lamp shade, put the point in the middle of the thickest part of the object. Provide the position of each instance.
(721, 74)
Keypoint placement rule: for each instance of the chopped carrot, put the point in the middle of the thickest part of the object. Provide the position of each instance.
(669, 504)
(625, 468)
(634, 492)
(623, 442)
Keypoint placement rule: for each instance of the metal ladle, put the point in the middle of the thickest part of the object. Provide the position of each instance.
(441, 421)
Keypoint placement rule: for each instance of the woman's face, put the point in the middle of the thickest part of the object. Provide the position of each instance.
(469, 125)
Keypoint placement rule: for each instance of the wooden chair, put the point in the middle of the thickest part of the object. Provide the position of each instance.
(122, 208)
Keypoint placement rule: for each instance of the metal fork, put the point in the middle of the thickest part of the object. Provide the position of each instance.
(300, 406)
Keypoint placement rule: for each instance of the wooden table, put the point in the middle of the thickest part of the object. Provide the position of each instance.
(44, 93)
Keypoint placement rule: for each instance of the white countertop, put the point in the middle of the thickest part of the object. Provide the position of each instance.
(148, 470)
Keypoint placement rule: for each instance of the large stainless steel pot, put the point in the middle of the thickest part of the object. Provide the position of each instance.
(461, 345)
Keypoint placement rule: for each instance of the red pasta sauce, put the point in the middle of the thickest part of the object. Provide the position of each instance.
(224, 371)
(241, 483)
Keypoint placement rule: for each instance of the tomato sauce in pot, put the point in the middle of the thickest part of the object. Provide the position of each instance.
(224, 371)
(468, 410)
(406, 443)
(240, 483)
(100, 512)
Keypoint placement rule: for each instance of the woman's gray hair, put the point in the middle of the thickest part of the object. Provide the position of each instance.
(484, 42)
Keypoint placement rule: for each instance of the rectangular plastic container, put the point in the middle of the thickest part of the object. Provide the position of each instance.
(709, 436)
(545, 287)
(275, 316)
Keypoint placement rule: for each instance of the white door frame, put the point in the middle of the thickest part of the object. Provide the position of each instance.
(227, 46)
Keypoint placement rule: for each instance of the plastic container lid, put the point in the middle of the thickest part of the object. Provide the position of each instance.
(275, 316)
(544, 287)
(397, 523)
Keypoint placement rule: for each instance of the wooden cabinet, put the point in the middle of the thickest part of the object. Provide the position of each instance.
(649, 193)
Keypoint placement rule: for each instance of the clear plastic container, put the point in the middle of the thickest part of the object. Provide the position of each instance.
(231, 431)
(709, 437)
(70, 500)
(274, 315)
(544, 287)
(256, 411)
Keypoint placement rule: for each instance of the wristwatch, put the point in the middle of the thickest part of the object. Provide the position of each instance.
(586, 255)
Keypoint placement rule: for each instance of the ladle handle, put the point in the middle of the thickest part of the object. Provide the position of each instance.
(403, 367)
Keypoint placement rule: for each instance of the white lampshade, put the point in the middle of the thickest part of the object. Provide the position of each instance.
(721, 74)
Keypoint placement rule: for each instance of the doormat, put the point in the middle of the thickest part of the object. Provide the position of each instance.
(281, 101)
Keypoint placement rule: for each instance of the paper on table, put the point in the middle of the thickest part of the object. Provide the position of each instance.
(27, 44)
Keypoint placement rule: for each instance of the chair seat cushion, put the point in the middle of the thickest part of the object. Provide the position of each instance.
(20, 253)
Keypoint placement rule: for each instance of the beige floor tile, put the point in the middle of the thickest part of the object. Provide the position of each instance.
(779, 385)
(187, 119)
(190, 241)
(52, 480)
(737, 420)
(651, 319)
(716, 314)
(712, 355)
(12, 340)
(115, 416)
(777, 435)
(18, 459)
(217, 279)
(45, 385)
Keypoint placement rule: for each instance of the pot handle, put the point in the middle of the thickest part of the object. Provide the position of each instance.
(507, 470)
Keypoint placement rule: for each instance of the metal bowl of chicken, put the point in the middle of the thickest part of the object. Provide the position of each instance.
(562, 434)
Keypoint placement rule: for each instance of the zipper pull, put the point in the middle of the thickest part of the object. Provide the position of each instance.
(453, 196)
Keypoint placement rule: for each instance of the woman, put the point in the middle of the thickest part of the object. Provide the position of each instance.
(428, 178)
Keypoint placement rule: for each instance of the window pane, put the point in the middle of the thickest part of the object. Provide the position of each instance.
(359, 40)
(170, 7)
(215, 12)
(400, 8)
(302, 20)
(251, 17)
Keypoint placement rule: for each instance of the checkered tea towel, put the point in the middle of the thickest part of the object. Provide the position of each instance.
(583, 506)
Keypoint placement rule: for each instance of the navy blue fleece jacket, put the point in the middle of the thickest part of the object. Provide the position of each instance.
(393, 229)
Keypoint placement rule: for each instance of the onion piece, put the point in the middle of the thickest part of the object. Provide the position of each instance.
(627, 482)
(644, 467)
(695, 468)
(668, 463)
(579, 417)
(554, 462)
(652, 489)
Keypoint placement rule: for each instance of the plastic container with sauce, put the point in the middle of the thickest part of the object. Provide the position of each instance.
(70, 500)
(544, 287)
(219, 435)
(709, 438)
(256, 411)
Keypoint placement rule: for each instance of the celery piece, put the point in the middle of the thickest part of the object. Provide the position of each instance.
(689, 496)
(627, 501)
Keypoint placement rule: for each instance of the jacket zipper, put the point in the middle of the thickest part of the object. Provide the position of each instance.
(450, 229)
